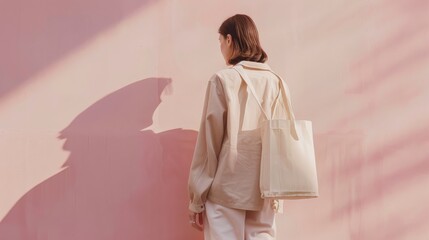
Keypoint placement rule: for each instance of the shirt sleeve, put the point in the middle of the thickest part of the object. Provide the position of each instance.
(208, 145)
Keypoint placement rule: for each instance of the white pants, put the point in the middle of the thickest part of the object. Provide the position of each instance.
(222, 223)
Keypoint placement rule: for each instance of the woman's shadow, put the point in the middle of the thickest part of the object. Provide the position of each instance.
(119, 182)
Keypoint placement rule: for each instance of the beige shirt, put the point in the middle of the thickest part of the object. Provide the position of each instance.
(226, 161)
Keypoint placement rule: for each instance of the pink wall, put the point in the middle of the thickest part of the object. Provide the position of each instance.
(100, 103)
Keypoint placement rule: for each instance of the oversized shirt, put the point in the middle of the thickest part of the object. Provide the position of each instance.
(226, 162)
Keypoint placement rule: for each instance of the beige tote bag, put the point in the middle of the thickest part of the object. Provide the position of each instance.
(288, 164)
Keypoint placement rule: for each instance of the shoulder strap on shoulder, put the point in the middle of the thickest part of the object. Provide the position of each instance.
(285, 93)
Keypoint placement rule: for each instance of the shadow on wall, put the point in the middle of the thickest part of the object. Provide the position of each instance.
(119, 182)
(36, 34)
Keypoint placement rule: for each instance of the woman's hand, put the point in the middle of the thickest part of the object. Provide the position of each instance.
(196, 219)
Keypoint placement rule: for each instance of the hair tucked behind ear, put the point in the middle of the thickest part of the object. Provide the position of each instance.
(245, 39)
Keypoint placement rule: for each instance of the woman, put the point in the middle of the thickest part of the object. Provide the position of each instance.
(225, 199)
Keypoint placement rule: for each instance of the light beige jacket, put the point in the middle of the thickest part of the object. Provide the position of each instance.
(226, 161)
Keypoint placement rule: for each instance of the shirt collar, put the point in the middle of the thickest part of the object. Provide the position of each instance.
(252, 64)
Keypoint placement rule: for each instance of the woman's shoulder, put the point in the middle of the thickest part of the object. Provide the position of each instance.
(226, 74)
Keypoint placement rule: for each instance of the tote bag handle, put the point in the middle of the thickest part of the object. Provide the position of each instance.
(239, 68)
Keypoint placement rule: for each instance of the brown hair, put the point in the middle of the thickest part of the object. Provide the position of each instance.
(245, 39)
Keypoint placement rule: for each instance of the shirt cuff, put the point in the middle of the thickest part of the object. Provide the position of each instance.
(196, 208)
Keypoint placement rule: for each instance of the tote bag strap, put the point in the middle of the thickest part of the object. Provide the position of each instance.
(246, 79)
(285, 94)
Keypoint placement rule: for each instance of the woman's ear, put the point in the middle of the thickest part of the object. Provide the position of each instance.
(229, 39)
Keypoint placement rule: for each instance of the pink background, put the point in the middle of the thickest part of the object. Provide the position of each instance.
(100, 102)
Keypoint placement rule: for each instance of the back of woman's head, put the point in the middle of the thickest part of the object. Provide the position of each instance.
(245, 39)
